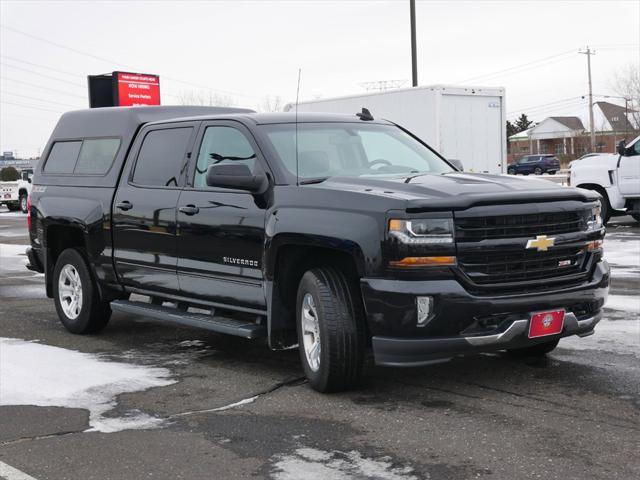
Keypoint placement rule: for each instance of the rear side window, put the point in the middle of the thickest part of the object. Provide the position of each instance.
(62, 158)
(96, 156)
(82, 157)
(161, 157)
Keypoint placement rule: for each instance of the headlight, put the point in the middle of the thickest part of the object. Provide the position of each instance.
(595, 220)
(422, 231)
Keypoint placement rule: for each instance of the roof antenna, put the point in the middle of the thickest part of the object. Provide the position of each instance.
(297, 98)
(365, 115)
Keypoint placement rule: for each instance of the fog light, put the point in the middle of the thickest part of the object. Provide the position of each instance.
(425, 310)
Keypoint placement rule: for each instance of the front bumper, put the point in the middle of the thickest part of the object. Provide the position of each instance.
(458, 317)
(403, 352)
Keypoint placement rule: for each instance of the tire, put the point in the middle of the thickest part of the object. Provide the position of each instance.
(605, 207)
(511, 171)
(335, 319)
(636, 217)
(91, 315)
(538, 171)
(552, 172)
(13, 207)
(23, 202)
(539, 350)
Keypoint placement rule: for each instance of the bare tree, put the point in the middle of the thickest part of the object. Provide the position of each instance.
(626, 83)
(205, 98)
(271, 104)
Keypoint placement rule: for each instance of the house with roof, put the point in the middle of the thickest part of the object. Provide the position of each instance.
(569, 136)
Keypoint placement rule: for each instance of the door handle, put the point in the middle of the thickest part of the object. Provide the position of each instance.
(189, 210)
(126, 205)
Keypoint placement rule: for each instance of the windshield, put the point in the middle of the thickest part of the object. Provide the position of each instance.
(353, 150)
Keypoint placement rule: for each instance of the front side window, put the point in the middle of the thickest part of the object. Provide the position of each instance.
(351, 149)
(62, 157)
(161, 157)
(222, 146)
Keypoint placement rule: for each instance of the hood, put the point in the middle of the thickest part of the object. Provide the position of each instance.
(454, 191)
(608, 160)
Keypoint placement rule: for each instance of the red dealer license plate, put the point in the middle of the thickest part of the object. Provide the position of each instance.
(546, 323)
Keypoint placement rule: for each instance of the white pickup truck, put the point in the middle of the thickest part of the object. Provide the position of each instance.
(615, 176)
(15, 194)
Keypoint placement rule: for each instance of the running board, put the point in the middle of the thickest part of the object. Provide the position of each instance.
(217, 324)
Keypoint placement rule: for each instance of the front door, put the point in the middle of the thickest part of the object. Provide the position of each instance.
(629, 170)
(221, 231)
(144, 208)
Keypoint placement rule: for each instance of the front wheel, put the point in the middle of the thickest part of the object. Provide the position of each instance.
(538, 171)
(76, 295)
(330, 326)
(511, 171)
(539, 350)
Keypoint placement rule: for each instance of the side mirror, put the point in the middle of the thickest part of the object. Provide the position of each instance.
(456, 163)
(236, 176)
(622, 147)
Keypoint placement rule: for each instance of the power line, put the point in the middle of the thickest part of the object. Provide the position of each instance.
(39, 65)
(30, 97)
(43, 87)
(33, 72)
(534, 107)
(518, 66)
(30, 106)
(113, 62)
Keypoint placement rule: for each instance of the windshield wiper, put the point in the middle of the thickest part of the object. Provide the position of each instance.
(310, 181)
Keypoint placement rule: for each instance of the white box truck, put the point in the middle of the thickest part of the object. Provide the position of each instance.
(461, 123)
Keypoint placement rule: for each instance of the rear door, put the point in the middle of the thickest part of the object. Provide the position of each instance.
(221, 231)
(472, 131)
(144, 208)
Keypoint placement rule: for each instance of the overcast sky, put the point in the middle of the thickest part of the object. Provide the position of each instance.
(248, 50)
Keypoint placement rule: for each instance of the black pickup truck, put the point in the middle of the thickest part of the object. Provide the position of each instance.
(341, 234)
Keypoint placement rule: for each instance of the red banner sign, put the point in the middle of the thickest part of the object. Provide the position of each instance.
(135, 89)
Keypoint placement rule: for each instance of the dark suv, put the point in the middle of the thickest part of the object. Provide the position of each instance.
(338, 234)
(537, 164)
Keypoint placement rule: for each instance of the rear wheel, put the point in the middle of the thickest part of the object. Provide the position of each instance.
(330, 328)
(538, 350)
(76, 294)
(23, 202)
(13, 207)
(538, 171)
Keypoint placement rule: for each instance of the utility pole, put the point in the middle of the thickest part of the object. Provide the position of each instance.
(588, 52)
(414, 60)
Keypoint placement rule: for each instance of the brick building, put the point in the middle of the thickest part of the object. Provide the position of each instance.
(568, 138)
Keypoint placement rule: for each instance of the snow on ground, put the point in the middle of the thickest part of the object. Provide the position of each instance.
(13, 259)
(7, 213)
(315, 464)
(624, 303)
(623, 255)
(43, 375)
(615, 336)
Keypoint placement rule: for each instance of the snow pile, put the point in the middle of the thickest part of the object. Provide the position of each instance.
(315, 464)
(623, 255)
(13, 259)
(42, 375)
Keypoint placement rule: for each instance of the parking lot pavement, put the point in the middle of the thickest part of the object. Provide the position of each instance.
(143, 400)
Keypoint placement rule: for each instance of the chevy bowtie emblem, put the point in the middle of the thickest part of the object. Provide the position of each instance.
(541, 242)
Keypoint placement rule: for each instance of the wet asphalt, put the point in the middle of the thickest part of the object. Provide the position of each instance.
(572, 415)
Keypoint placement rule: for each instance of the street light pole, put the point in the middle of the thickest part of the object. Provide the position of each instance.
(414, 60)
